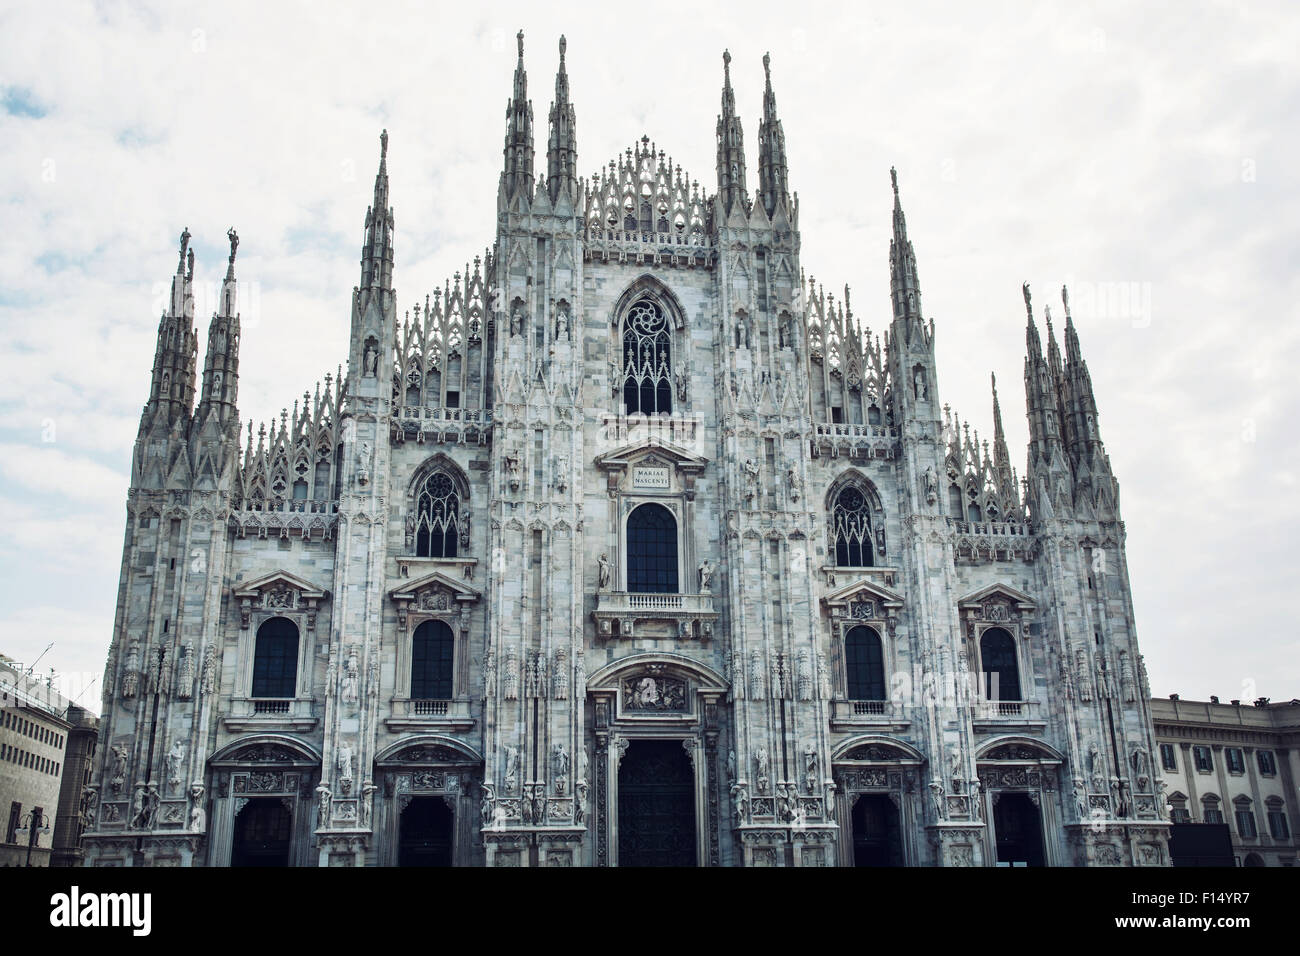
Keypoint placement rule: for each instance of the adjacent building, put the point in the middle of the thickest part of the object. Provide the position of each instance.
(1235, 764)
(629, 545)
(47, 746)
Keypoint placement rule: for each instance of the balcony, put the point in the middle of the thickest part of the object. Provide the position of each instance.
(428, 714)
(1001, 715)
(867, 714)
(627, 614)
(271, 713)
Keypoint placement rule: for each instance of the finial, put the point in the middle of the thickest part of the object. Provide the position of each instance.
(185, 244)
(893, 179)
(234, 242)
(383, 145)
(767, 67)
(1028, 308)
(1065, 298)
(726, 66)
(563, 44)
(520, 38)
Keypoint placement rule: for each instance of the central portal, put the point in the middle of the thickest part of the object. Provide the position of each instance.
(656, 805)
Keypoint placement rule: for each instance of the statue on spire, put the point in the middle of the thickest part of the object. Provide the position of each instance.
(1028, 308)
(383, 145)
(520, 37)
(1065, 298)
(185, 244)
(234, 243)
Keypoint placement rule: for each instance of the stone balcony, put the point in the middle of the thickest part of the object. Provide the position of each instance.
(858, 715)
(626, 614)
(1003, 715)
(425, 423)
(271, 713)
(854, 440)
(422, 714)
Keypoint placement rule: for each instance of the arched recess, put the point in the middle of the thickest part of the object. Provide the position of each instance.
(1026, 769)
(268, 767)
(425, 767)
(846, 537)
(453, 530)
(660, 697)
(887, 773)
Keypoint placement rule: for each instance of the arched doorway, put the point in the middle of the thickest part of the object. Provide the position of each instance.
(1019, 830)
(656, 805)
(876, 837)
(425, 833)
(262, 834)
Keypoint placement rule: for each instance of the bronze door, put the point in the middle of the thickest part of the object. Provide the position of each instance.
(656, 805)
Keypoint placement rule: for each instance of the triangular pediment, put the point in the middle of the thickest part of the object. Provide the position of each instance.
(279, 580)
(434, 581)
(997, 594)
(640, 452)
(863, 591)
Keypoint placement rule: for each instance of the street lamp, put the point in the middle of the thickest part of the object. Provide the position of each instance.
(32, 825)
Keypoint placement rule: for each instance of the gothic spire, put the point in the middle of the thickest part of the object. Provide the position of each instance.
(904, 281)
(1001, 457)
(773, 173)
(171, 390)
(731, 147)
(1042, 406)
(562, 148)
(221, 361)
(517, 175)
(377, 250)
(1078, 404)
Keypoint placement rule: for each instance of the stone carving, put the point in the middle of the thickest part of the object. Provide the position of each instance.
(185, 678)
(175, 757)
(323, 809)
(755, 675)
(368, 789)
(793, 482)
(490, 675)
(363, 463)
(343, 763)
(1084, 677)
(603, 571)
(487, 805)
(198, 816)
(654, 694)
(560, 760)
(740, 803)
(512, 768)
(131, 676)
(1097, 769)
(209, 671)
(580, 672)
(936, 799)
(750, 470)
(560, 674)
(580, 802)
(1104, 685)
(803, 674)
(761, 769)
(351, 677)
(810, 768)
(118, 773)
(931, 485)
(562, 326)
(705, 575)
(918, 383)
(371, 360)
(823, 677)
(511, 682)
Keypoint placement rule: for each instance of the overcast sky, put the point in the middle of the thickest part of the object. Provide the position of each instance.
(1145, 158)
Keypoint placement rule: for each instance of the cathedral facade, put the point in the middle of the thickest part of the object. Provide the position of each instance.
(626, 546)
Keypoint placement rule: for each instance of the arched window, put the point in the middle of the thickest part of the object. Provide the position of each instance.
(998, 663)
(437, 517)
(652, 550)
(864, 664)
(275, 659)
(431, 657)
(973, 513)
(647, 360)
(851, 527)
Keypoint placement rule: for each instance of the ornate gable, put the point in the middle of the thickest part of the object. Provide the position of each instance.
(997, 602)
(865, 601)
(434, 593)
(278, 591)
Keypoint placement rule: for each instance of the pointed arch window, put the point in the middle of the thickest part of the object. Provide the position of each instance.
(851, 529)
(999, 666)
(647, 360)
(275, 659)
(864, 664)
(652, 550)
(431, 661)
(437, 517)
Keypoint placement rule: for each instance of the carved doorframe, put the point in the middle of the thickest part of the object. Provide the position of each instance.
(1016, 765)
(428, 765)
(874, 764)
(262, 765)
(690, 713)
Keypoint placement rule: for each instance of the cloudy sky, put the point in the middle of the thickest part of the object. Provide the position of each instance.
(1146, 160)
